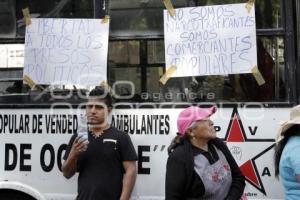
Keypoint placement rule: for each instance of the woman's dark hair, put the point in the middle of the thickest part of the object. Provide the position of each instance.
(176, 141)
(103, 94)
(292, 131)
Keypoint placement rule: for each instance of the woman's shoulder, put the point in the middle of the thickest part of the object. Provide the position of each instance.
(178, 150)
(178, 153)
(293, 143)
(295, 139)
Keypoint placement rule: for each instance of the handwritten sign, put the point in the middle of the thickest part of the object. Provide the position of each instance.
(210, 40)
(66, 51)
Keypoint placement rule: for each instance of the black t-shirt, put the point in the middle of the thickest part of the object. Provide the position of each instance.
(100, 166)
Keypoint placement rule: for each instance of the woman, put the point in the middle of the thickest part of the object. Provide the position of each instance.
(200, 166)
(287, 159)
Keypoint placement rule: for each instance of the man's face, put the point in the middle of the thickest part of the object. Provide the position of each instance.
(97, 112)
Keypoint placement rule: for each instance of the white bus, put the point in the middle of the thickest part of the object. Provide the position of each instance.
(36, 125)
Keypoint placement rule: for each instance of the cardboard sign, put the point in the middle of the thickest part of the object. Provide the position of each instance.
(211, 40)
(66, 51)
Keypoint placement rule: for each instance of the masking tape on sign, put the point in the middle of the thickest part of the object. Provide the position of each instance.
(29, 81)
(106, 86)
(26, 15)
(169, 7)
(257, 75)
(194, 80)
(249, 5)
(105, 19)
(171, 70)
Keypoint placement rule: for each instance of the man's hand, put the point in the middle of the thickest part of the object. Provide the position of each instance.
(79, 145)
(69, 167)
(128, 179)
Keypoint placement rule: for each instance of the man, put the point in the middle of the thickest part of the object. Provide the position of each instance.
(107, 161)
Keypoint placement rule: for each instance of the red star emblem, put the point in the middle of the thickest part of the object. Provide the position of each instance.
(235, 137)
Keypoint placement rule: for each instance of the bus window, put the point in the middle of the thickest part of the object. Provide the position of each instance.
(127, 64)
(142, 18)
(13, 87)
(268, 14)
(145, 63)
(136, 50)
(7, 19)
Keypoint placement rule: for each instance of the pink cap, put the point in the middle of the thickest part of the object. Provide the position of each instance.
(192, 114)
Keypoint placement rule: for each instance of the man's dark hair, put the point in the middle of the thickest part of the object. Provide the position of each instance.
(103, 94)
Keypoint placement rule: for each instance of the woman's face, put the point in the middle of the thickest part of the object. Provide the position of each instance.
(203, 130)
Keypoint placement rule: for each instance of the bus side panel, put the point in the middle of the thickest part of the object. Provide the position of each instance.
(33, 142)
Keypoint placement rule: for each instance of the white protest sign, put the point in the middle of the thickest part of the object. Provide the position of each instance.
(211, 40)
(66, 51)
